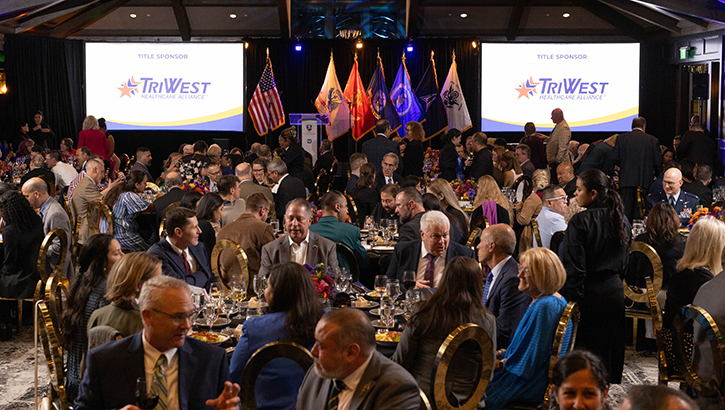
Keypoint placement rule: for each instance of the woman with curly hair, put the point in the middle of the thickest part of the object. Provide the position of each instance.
(22, 237)
(491, 203)
(97, 257)
(125, 202)
(294, 310)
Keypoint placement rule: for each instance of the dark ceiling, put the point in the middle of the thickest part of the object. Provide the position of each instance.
(229, 20)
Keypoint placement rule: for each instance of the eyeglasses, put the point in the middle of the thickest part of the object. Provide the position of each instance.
(523, 269)
(558, 198)
(178, 318)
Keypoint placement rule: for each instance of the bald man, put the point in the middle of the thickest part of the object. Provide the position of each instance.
(247, 187)
(556, 148)
(567, 179)
(685, 203)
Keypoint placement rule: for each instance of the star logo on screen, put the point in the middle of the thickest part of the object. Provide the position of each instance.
(527, 88)
(129, 88)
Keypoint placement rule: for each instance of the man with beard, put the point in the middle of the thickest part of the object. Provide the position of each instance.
(349, 373)
(409, 206)
(385, 209)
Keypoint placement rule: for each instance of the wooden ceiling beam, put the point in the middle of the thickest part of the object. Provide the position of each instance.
(515, 19)
(703, 9)
(283, 8)
(54, 8)
(182, 20)
(411, 17)
(645, 13)
(85, 18)
(613, 17)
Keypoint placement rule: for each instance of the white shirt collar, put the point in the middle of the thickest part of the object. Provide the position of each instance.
(175, 248)
(276, 186)
(497, 269)
(353, 379)
(637, 128)
(424, 252)
(676, 196)
(305, 241)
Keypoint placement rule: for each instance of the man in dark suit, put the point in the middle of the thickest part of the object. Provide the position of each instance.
(54, 216)
(385, 209)
(185, 374)
(287, 187)
(173, 183)
(143, 161)
(376, 148)
(253, 154)
(299, 245)
(37, 169)
(523, 156)
(349, 372)
(685, 203)
(294, 155)
(325, 160)
(409, 206)
(387, 174)
(181, 254)
(567, 179)
(699, 185)
(535, 142)
(482, 160)
(356, 161)
(501, 294)
(640, 161)
(429, 255)
(697, 146)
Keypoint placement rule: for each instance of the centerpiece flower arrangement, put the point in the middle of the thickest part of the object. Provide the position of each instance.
(322, 276)
(716, 212)
(430, 163)
(465, 189)
(199, 185)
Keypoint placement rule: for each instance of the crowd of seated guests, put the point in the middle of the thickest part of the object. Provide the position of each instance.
(508, 284)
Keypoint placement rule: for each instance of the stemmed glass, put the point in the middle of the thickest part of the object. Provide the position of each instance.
(260, 284)
(380, 282)
(392, 288)
(145, 400)
(409, 280)
(387, 309)
(211, 313)
(238, 287)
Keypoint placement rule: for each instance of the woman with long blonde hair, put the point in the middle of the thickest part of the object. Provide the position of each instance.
(444, 192)
(487, 196)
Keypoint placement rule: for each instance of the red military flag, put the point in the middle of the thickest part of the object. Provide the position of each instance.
(265, 108)
(363, 120)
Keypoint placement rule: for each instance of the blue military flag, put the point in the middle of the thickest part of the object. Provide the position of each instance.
(404, 100)
(429, 94)
(380, 99)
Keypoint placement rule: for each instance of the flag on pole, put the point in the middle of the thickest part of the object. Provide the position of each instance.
(265, 108)
(331, 101)
(380, 99)
(456, 109)
(362, 115)
(430, 95)
(404, 100)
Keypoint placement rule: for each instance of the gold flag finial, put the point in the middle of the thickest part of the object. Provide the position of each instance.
(267, 52)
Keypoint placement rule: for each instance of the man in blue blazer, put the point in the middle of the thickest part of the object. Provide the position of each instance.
(181, 254)
(685, 203)
(333, 227)
(376, 148)
(501, 294)
(429, 255)
(186, 374)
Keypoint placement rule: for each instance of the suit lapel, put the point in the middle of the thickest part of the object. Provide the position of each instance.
(313, 249)
(499, 279)
(285, 254)
(323, 395)
(367, 382)
(174, 257)
(187, 366)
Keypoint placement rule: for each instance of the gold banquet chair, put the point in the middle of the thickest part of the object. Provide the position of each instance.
(461, 334)
(162, 228)
(474, 238)
(260, 358)
(346, 253)
(98, 210)
(666, 371)
(228, 244)
(636, 294)
(537, 233)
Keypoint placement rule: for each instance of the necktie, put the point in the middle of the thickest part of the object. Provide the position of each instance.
(337, 387)
(430, 269)
(186, 263)
(159, 385)
(489, 280)
(672, 201)
(390, 180)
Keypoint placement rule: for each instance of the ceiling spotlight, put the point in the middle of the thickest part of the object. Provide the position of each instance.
(409, 49)
(246, 45)
(232, 16)
(4, 90)
(566, 15)
(464, 15)
(298, 47)
(133, 15)
(474, 43)
(359, 44)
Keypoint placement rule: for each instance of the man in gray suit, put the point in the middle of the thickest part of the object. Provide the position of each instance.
(54, 216)
(247, 187)
(349, 374)
(299, 245)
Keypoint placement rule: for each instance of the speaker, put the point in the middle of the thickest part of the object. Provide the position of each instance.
(700, 86)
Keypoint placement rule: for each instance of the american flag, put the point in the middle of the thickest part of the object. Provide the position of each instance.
(266, 116)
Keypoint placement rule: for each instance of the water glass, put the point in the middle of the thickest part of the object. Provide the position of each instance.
(387, 309)
(275, 225)
(260, 284)
(392, 288)
(380, 282)
(211, 314)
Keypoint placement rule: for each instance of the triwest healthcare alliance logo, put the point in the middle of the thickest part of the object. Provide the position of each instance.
(562, 89)
(164, 88)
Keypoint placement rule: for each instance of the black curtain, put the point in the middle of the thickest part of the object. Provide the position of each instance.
(45, 74)
(299, 74)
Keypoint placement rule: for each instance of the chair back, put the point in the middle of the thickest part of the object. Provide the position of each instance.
(424, 402)
(568, 325)
(228, 244)
(347, 254)
(640, 294)
(537, 234)
(474, 238)
(60, 235)
(53, 352)
(162, 229)
(67, 208)
(712, 386)
(480, 222)
(56, 295)
(640, 202)
(323, 182)
(463, 333)
(260, 358)
(98, 210)
(523, 187)
(153, 187)
(556, 239)
(665, 369)
(352, 209)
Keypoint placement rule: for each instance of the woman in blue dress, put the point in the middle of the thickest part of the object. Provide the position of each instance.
(522, 369)
(294, 310)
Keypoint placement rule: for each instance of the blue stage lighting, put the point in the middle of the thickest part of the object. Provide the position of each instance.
(409, 49)
(298, 47)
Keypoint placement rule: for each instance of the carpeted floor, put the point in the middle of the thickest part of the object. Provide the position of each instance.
(17, 373)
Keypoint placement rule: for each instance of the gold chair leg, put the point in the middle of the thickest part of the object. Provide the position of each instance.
(635, 323)
(20, 314)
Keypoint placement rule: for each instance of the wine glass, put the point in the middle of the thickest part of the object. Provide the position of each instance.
(275, 225)
(211, 313)
(409, 280)
(238, 287)
(145, 400)
(392, 288)
(393, 226)
(380, 282)
(260, 284)
(387, 309)
(346, 281)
